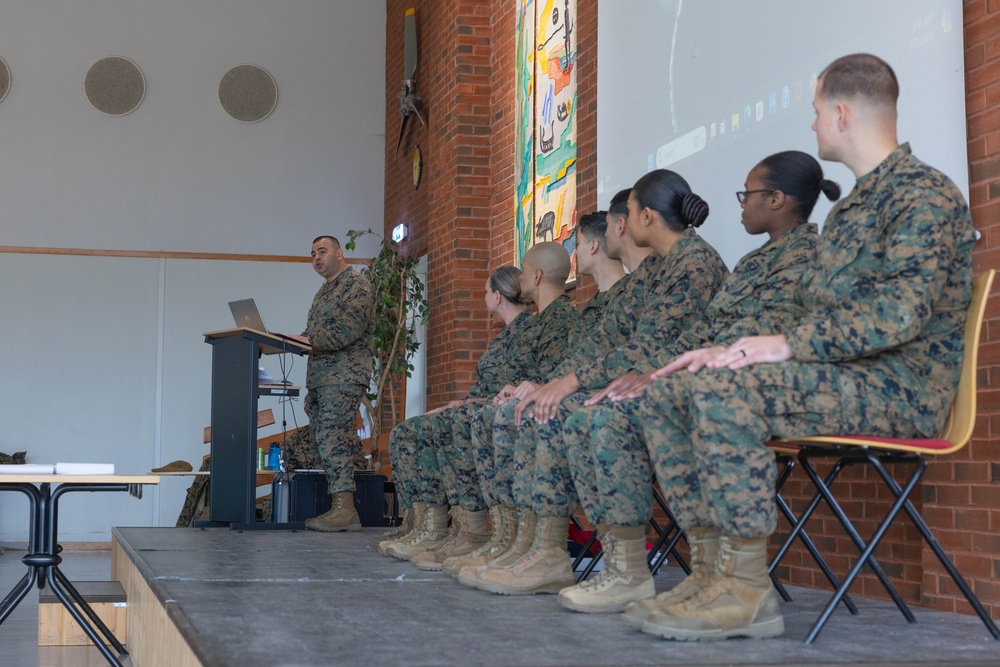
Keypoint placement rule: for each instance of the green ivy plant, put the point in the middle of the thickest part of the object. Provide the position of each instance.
(400, 303)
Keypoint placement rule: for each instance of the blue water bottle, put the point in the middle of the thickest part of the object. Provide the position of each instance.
(274, 457)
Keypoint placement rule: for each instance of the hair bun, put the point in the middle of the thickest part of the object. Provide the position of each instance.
(830, 189)
(694, 210)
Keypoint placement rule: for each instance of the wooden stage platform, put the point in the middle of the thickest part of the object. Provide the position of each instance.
(220, 598)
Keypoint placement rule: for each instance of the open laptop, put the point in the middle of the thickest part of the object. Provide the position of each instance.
(246, 314)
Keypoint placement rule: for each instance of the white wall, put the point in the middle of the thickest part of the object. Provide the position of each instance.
(178, 173)
(103, 357)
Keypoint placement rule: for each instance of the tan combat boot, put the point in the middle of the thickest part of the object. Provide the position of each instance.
(432, 530)
(417, 512)
(473, 533)
(704, 544)
(737, 600)
(405, 526)
(504, 520)
(523, 537)
(625, 577)
(544, 569)
(341, 517)
(456, 519)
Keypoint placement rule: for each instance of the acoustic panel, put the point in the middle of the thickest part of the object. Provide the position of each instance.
(114, 85)
(248, 93)
(4, 79)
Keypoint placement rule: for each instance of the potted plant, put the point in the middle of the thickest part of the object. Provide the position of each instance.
(399, 304)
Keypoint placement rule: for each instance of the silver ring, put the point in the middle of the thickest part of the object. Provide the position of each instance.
(743, 352)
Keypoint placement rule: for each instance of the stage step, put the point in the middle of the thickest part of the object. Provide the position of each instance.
(57, 628)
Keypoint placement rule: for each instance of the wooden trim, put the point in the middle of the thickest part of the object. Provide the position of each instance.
(152, 636)
(67, 546)
(151, 254)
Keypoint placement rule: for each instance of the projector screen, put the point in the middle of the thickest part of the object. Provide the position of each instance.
(708, 88)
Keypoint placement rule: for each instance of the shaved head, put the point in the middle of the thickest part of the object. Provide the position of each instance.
(551, 259)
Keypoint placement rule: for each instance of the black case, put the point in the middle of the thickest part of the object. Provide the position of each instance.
(309, 496)
(369, 498)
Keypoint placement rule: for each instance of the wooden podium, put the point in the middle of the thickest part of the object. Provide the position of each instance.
(235, 390)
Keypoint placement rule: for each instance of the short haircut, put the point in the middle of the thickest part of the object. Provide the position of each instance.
(619, 203)
(860, 75)
(592, 226)
(552, 259)
(333, 240)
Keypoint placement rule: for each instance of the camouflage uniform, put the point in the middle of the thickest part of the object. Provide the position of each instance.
(514, 448)
(877, 351)
(196, 498)
(300, 452)
(605, 448)
(341, 330)
(414, 445)
(680, 286)
(502, 459)
(544, 343)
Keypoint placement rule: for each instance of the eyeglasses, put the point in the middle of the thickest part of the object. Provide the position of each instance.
(741, 196)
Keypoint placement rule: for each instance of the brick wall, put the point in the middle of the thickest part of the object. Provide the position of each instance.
(964, 493)
(462, 218)
(462, 214)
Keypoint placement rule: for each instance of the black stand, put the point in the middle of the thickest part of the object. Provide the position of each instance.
(235, 359)
(43, 562)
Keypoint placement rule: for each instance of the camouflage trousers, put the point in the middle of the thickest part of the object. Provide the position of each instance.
(414, 461)
(457, 463)
(606, 451)
(432, 459)
(529, 464)
(483, 455)
(331, 411)
(300, 452)
(706, 432)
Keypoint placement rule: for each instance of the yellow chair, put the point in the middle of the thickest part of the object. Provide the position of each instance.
(879, 451)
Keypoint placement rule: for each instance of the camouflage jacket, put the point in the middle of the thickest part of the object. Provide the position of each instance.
(891, 285)
(621, 312)
(341, 330)
(587, 333)
(684, 282)
(758, 297)
(542, 343)
(490, 366)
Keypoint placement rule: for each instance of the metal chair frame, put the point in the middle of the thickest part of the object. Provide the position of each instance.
(878, 452)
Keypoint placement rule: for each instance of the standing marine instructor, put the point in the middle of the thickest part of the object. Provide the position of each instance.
(341, 331)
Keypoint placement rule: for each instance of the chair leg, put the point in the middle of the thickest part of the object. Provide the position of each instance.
(788, 464)
(866, 550)
(583, 554)
(655, 558)
(824, 491)
(668, 543)
(929, 538)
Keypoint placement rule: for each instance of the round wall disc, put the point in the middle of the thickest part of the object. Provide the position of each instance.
(248, 93)
(114, 85)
